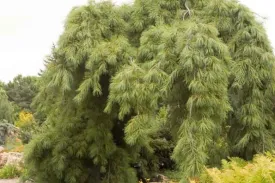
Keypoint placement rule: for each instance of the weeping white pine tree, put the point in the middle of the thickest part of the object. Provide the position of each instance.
(206, 64)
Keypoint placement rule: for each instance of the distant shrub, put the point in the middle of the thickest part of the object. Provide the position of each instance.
(260, 170)
(6, 130)
(27, 124)
(9, 172)
(26, 120)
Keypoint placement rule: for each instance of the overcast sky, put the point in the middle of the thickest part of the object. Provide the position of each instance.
(29, 28)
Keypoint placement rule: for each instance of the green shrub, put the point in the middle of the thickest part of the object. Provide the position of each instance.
(5, 129)
(260, 170)
(9, 171)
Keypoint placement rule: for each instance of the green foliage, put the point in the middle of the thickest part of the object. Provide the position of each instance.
(79, 144)
(22, 90)
(6, 108)
(252, 61)
(27, 125)
(173, 175)
(260, 170)
(6, 129)
(2, 84)
(121, 76)
(9, 172)
(24, 177)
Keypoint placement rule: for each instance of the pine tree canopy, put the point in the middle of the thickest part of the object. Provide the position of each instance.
(119, 74)
(22, 90)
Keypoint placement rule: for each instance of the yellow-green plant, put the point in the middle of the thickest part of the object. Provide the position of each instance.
(25, 120)
(260, 170)
(9, 171)
(27, 125)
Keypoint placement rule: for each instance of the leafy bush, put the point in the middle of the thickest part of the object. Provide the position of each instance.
(260, 170)
(9, 171)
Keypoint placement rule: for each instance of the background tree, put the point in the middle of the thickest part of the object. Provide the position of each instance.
(22, 90)
(6, 108)
(120, 75)
(6, 115)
